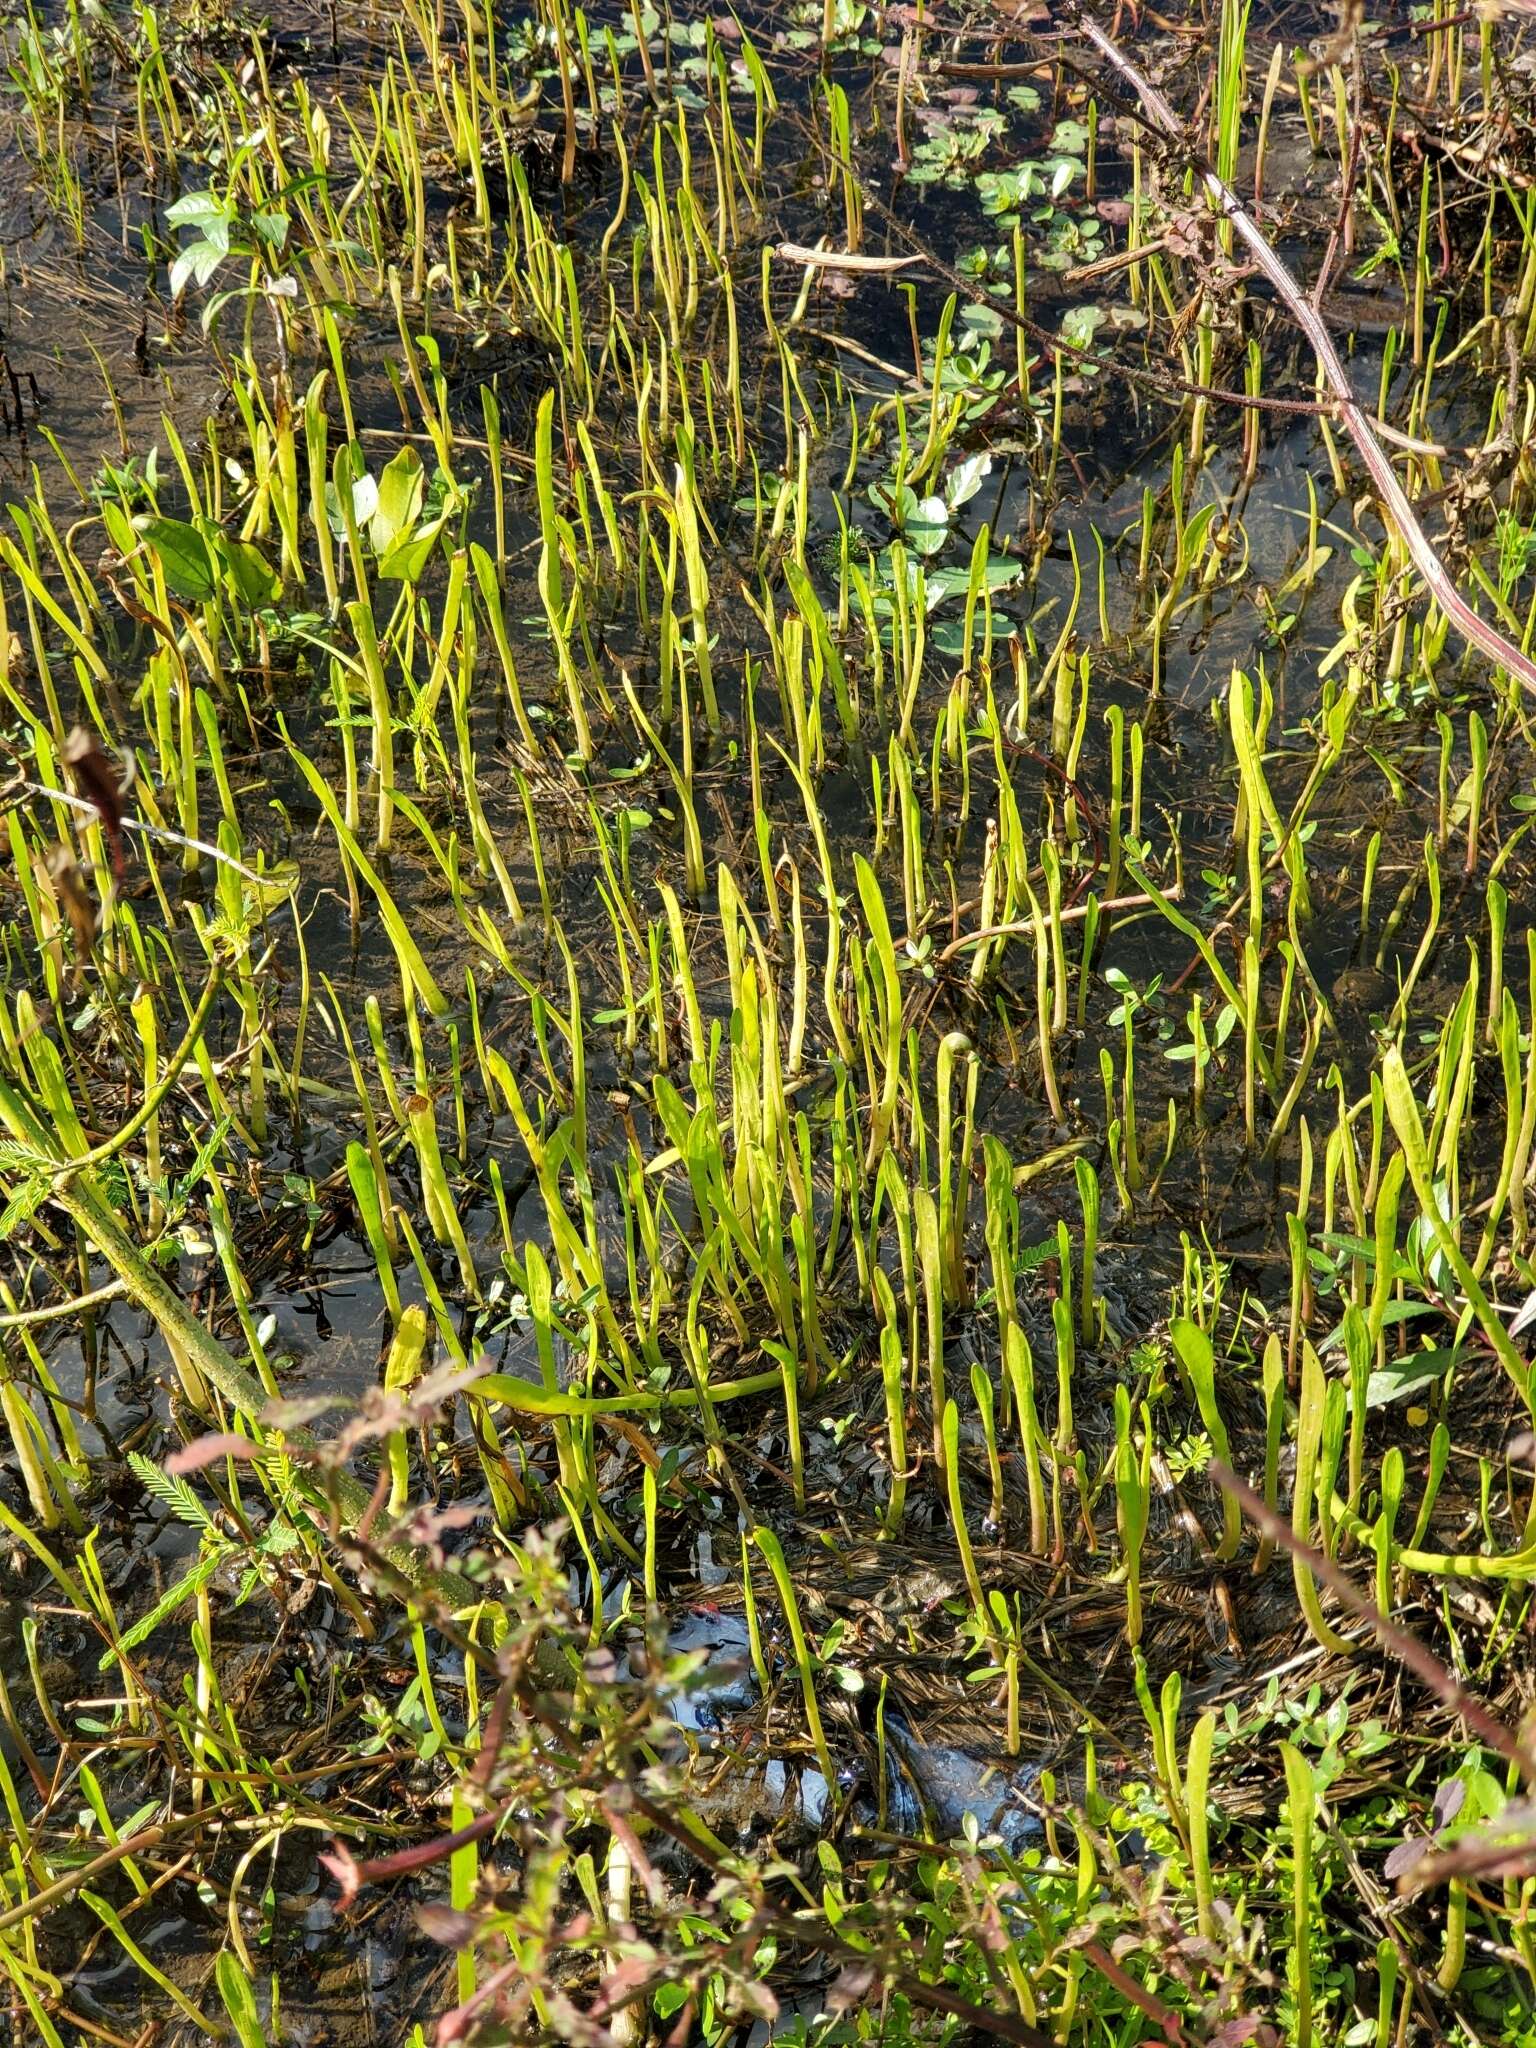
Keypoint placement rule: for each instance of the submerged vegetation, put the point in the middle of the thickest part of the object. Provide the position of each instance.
(768, 1047)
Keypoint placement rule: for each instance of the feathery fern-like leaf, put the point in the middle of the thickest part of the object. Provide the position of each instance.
(174, 1494)
(202, 1571)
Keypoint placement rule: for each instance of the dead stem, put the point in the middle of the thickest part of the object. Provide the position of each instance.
(1467, 622)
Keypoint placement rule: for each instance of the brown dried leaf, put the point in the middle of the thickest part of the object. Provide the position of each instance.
(1246, 2028)
(851, 1987)
(342, 1865)
(69, 887)
(446, 1924)
(96, 778)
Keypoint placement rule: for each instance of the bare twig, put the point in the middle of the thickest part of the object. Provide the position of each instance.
(1505, 1847)
(127, 824)
(1407, 1648)
(1071, 913)
(26, 1318)
(351, 1875)
(1467, 622)
(1163, 385)
(138, 1844)
(841, 259)
(1162, 2016)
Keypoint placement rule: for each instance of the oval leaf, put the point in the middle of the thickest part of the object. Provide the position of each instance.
(182, 553)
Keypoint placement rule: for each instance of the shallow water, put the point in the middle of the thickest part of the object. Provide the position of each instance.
(70, 316)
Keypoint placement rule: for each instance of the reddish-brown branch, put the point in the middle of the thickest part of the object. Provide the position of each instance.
(352, 1875)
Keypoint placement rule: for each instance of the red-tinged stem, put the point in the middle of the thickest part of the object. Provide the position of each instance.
(355, 1875)
(454, 2026)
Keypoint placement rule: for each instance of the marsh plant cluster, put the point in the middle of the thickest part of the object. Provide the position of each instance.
(767, 1023)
